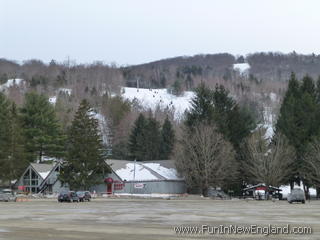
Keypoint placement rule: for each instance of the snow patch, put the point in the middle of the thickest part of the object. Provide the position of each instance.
(168, 173)
(140, 171)
(268, 119)
(243, 68)
(103, 127)
(44, 174)
(53, 159)
(53, 100)
(67, 91)
(135, 171)
(11, 83)
(152, 98)
(273, 97)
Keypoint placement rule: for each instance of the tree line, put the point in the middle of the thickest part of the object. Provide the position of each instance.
(219, 143)
(223, 146)
(33, 133)
(147, 141)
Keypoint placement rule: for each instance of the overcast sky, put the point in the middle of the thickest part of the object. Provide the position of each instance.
(138, 31)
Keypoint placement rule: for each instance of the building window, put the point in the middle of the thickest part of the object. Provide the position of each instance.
(31, 178)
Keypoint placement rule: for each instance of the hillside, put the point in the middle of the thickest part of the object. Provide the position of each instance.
(257, 81)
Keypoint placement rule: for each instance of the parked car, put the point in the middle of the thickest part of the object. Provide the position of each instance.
(70, 196)
(6, 195)
(296, 195)
(84, 196)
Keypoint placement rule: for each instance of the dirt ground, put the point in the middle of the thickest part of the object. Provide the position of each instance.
(150, 218)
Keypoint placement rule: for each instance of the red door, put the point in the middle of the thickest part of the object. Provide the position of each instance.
(109, 188)
(109, 182)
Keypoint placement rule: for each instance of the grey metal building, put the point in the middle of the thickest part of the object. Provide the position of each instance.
(128, 177)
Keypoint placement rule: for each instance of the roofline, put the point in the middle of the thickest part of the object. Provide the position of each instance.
(45, 179)
(148, 168)
(155, 180)
(262, 185)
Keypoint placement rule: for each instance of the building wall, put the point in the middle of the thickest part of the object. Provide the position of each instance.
(31, 188)
(102, 188)
(161, 187)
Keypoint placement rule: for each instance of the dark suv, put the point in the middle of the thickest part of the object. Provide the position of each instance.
(84, 196)
(70, 196)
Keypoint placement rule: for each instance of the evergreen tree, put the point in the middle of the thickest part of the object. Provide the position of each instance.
(298, 119)
(84, 165)
(136, 138)
(41, 128)
(151, 140)
(4, 134)
(16, 156)
(217, 107)
(12, 154)
(167, 139)
(145, 139)
(202, 107)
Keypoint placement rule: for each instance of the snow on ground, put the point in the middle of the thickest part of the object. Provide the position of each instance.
(52, 159)
(65, 90)
(44, 174)
(273, 97)
(103, 127)
(11, 83)
(135, 171)
(151, 98)
(268, 119)
(168, 173)
(243, 68)
(53, 100)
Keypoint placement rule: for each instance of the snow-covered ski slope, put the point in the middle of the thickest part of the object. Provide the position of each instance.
(152, 98)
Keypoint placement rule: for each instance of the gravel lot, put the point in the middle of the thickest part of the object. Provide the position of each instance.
(149, 218)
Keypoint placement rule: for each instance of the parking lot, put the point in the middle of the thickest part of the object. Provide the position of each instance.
(149, 218)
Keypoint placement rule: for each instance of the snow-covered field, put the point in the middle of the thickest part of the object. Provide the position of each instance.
(153, 98)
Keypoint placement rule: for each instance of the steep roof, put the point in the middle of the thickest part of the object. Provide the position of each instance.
(144, 171)
(43, 169)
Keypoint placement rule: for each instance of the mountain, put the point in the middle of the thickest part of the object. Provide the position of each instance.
(257, 81)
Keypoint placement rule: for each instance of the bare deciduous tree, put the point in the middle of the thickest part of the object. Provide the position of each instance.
(205, 159)
(269, 163)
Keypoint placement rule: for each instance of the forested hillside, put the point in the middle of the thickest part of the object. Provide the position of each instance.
(257, 82)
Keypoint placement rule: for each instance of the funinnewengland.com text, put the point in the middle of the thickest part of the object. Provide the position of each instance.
(237, 229)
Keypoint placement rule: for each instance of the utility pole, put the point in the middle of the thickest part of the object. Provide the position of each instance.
(137, 84)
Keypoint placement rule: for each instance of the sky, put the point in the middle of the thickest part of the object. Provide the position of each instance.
(130, 32)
